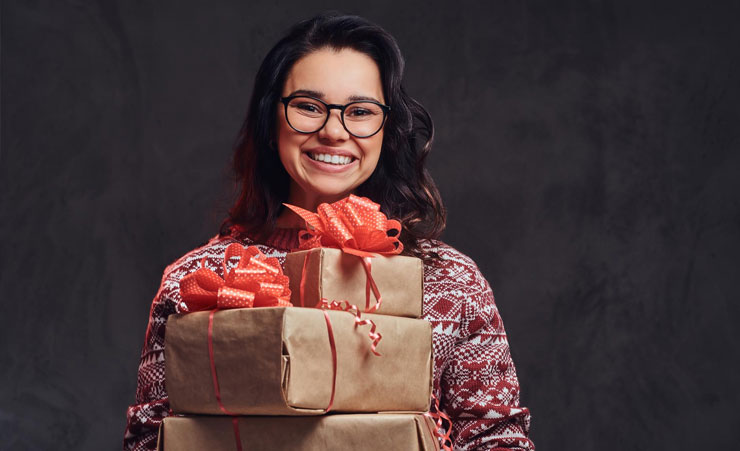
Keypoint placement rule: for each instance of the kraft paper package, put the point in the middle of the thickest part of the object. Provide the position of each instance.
(356, 432)
(278, 361)
(336, 275)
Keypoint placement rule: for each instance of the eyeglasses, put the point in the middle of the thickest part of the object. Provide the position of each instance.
(361, 119)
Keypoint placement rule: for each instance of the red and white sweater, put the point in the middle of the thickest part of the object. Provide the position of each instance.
(473, 370)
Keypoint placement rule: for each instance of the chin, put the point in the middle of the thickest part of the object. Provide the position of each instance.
(332, 190)
(333, 193)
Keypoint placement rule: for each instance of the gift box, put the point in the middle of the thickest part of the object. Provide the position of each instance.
(279, 361)
(336, 275)
(358, 432)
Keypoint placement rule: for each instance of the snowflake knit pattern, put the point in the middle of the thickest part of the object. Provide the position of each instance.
(474, 376)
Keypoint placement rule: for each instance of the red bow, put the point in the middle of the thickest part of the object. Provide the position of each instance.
(257, 281)
(354, 224)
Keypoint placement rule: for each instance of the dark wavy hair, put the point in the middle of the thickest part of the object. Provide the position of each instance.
(400, 183)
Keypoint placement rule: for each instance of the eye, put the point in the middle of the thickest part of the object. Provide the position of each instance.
(308, 107)
(360, 111)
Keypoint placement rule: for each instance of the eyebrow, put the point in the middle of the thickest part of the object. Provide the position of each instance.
(321, 95)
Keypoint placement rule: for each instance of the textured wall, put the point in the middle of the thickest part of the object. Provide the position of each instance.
(587, 151)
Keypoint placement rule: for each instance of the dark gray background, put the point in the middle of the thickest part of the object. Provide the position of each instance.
(587, 152)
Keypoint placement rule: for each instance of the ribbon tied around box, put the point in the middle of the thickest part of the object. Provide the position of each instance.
(256, 281)
(356, 226)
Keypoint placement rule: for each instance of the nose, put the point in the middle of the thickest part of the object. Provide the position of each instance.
(333, 129)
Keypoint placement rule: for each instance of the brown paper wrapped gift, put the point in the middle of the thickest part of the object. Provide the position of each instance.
(358, 432)
(336, 275)
(278, 361)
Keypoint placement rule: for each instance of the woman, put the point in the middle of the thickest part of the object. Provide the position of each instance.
(329, 117)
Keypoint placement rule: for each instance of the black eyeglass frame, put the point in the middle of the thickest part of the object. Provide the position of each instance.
(333, 106)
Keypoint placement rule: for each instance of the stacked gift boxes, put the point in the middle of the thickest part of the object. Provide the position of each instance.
(279, 369)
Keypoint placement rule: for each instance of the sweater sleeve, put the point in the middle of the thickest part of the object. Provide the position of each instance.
(478, 385)
(144, 417)
(152, 405)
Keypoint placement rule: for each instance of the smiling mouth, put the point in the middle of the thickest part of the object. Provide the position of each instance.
(339, 160)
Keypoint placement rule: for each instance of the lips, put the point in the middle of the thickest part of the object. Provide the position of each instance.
(331, 159)
(331, 156)
(325, 162)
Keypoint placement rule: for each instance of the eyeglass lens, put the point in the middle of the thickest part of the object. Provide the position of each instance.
(361, 119)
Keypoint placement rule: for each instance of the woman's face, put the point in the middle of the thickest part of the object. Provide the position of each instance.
(336, 77)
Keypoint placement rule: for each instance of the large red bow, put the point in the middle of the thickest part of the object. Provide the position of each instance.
(354, 224)
(257, 281)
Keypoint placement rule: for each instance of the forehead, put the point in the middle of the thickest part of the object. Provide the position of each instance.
(338, 74)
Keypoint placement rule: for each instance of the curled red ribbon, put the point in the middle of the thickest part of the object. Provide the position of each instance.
(438, 417)
(345, 306)
(356, 226)
(257, 281)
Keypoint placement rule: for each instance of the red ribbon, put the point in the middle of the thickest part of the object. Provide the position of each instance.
(333, 347)
(216, 389)
(257, 281)
(356, 226)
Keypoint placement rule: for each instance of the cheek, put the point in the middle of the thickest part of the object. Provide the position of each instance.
(288, 141)
(374, 146)
(288, 150)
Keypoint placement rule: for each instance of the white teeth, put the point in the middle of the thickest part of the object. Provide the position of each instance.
(331, 159)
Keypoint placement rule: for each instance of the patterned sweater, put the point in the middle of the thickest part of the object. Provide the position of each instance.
(474, 375)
